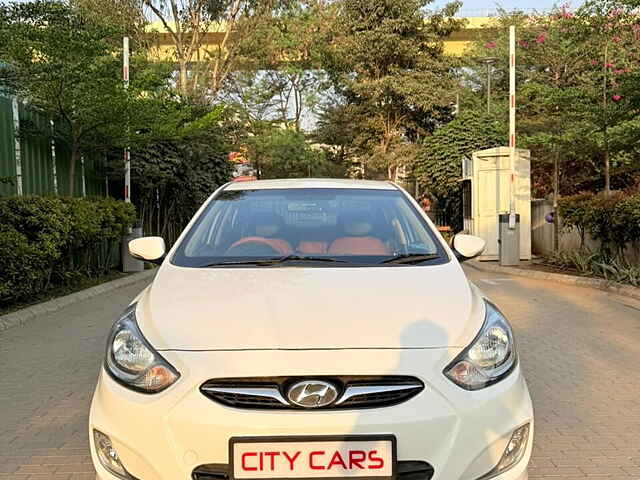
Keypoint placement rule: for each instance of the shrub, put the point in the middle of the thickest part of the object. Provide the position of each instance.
(47, 241)
(594, 264)
(613, 219)
(573, 212)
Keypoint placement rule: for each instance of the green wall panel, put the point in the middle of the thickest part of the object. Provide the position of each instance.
(7, 159)
(37, 160)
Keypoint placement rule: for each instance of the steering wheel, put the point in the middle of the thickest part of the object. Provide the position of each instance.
(253, 248)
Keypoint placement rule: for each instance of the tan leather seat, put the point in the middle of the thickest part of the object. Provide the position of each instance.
(358, 240)
(312, 248)
(358, 246)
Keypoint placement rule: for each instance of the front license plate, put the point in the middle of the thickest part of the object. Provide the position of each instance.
(362, 456)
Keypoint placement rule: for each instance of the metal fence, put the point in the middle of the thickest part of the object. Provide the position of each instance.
(32, 164)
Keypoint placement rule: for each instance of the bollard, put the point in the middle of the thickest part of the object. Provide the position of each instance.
(130, 264)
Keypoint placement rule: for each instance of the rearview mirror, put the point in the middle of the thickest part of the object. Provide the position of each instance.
(466, 247)
(149, 249)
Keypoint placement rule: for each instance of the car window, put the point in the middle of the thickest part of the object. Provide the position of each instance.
(355, 226)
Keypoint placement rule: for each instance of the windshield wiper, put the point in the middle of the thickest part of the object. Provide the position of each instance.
(410, 258)
(273, 261)
(299, 258)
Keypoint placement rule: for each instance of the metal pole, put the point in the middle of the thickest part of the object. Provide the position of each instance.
(15, 110)
(54, 169)
(127, 153)
(488, 87)
(512, 120)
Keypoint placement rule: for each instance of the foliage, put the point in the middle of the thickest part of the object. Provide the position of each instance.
(62, 64)
(573, 210)
(174, 173)
(439, 164)
(386, 60)
(125, 15)
(283, 59)
(613, 220)
(578, 102)
(595, 264)
(203, 69)
(278, 153)
(52, 241)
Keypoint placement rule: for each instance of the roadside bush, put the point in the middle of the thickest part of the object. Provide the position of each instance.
(47, 241)
(594, 264)
(613, 220)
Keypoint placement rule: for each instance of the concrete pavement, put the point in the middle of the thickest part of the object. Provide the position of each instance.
(579, 347)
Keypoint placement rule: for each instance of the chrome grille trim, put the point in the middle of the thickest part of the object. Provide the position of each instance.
(357, 390)
(354, 392)
(265, 392)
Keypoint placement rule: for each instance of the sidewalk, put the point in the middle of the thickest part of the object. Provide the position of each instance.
(20, 317)
(599, 283)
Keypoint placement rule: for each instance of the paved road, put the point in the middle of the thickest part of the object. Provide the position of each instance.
(580, 349)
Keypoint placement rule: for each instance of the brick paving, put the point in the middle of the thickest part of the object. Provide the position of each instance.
(580, 349)
(49, 370)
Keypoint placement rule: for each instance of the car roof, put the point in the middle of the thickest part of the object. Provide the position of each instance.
(310, 183)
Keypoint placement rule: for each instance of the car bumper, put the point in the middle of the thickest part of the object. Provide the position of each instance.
(165, 436)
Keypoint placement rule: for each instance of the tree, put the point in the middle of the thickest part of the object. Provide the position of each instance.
(610, 33)
(439, 164)
(203, 68)
(387, 60)
(126, 16)
(577, 104)
(287, 55)
(62, 63)
(278, 153)
(175, 172)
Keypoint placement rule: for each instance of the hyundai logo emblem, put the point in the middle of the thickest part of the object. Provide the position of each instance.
(312, 394)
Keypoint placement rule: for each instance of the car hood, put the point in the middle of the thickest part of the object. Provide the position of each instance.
(310, 308)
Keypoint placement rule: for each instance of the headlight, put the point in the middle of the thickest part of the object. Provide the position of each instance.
(132, 361)
(490, 357)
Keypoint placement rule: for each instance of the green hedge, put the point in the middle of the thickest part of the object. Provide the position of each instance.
(613, 219)
(51, 241)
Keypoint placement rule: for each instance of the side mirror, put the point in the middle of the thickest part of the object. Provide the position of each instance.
(149, 249)
(466, 247)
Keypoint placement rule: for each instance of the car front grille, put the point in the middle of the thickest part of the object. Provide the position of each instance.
(407, 470)
(271, 393)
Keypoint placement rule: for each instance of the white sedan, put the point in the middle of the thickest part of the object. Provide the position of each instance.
(304, 329)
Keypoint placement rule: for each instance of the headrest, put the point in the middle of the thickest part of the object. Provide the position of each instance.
(268, 224)
(357, 224)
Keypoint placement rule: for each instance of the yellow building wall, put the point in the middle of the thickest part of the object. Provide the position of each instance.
(163, 48)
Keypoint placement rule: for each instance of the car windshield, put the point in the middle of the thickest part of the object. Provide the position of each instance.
(315, 226)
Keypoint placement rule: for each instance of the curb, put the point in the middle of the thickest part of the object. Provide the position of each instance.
(599, 283)
(20, 317)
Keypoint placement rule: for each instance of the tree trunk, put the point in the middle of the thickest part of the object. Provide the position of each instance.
(183, 76)
(556, 195)
(75, 155)
(607, 173)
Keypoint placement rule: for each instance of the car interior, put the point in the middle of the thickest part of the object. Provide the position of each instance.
(358, 234)
(273, 227)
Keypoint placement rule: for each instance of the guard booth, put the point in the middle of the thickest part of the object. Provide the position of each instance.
(485, 195)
